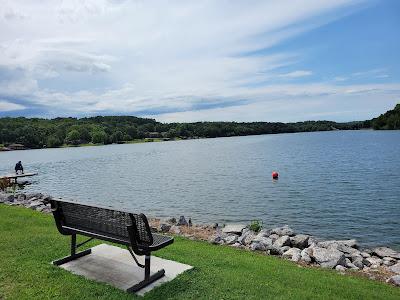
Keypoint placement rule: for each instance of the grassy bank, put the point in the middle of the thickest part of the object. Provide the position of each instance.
(30, 241)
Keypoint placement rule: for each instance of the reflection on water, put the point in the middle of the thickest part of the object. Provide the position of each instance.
(331, 184)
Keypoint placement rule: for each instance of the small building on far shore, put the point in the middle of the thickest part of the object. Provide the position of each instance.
(16, 147)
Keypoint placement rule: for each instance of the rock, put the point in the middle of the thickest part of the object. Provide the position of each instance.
(284, 230)
(274, 250)
(349, 243)
(231, 239)
(257, 246)
(40, 208)
(293, 254)
(175, 229)
(312, 242)
(394, 280)
(264, 233)
(395, 268)
(164, 227)
(265, 241)
(234, 228)
(21, 197)
(172, 221)
(386, 252)
(274, 237)
(35, 204)
(182, 221)
(388, 261)
(300, 241)
(365, 254)
(340, 268)
(35, 195)
(46, 199)
(358, 262)
(10, 198)
(327, 258)
(237, 245)
(282, 241)
(216, 239)
(305, 256)
(247, 237)
(372, 262)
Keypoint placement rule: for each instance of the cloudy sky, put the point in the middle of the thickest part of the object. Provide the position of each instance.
(286, 60)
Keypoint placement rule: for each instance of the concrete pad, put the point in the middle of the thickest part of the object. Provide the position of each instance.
(233, 228)
(116, 267)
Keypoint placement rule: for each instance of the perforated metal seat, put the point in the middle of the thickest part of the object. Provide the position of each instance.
(122, 227)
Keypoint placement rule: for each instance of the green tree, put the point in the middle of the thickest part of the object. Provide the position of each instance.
(53, 141)
(73, 137)
(99, 137)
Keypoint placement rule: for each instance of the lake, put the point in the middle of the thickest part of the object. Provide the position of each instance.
(338, 184)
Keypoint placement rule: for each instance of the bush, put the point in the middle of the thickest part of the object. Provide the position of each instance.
(99, 137)
(256, 225)
(53, 142)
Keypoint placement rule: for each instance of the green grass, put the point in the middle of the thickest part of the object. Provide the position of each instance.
(29, 241)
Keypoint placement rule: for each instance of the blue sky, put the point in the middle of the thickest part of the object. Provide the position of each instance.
(200, 60)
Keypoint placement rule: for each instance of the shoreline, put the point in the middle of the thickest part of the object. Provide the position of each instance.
(158, 140)
(345, 256)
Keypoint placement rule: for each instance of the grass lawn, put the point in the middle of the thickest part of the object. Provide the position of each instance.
(29, 241)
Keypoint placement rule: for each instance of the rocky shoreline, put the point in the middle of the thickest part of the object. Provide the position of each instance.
(345, 256)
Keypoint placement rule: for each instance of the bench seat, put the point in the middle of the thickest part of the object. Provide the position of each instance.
(121, 227)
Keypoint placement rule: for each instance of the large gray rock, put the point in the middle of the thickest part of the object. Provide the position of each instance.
(284, 230)
(231, 239)
(395, 268)
(257, 246)
(265, 241)
(305, 255)
(234, 228)
(246, 238)
(389, 261)
(394, 280)
(274, 237)
(282, 241)
(182, 221)
(358, 262)
(300, 241)
(386, 252)
(35, 204)
(372, 262)
(340, 268)
(274, 250)
(164, 227)
(264, 233)
(293, 254)
(349, 243)
(327, 258)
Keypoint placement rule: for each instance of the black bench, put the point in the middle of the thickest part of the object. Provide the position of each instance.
(121, 227)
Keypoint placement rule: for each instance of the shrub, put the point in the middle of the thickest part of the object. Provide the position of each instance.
(256, 225)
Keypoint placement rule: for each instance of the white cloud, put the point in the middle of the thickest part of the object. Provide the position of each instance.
(129, 56)
(9, 106)
(296, 74)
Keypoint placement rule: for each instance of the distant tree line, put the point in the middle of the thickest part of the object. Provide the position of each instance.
(389, 120)
(40, 133)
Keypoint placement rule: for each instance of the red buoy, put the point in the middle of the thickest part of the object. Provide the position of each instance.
(275, 175)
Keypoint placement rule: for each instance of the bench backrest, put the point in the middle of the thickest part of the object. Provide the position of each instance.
(102, 221)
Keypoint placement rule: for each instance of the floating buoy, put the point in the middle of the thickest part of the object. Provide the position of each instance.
(275, 175)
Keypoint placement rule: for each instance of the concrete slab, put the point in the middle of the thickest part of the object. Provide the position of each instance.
(234, 228)
(116, 267)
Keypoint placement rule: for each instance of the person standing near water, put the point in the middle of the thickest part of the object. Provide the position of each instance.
(19, 167)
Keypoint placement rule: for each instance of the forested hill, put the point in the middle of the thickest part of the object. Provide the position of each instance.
(40, 133)
(388, 120)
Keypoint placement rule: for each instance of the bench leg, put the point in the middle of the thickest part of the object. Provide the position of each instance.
(73, 255)
(148, 279)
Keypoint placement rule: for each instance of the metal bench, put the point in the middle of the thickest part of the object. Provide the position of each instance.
(121, 227)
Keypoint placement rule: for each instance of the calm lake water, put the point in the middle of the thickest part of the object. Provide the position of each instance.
(342, 184)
